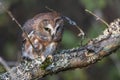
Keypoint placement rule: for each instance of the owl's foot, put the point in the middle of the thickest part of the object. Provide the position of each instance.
(50, 57)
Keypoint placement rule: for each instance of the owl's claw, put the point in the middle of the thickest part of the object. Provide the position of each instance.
(50, 57)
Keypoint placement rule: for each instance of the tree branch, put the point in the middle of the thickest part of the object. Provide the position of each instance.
(79, 57)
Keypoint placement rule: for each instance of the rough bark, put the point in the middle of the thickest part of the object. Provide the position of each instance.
(79, 57)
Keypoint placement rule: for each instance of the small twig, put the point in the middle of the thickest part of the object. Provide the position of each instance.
(50, 9)
(3, 62)
(98, 18)
(81, 31)
(71, 22)
(82, 34)
(13, 18)
(12, 63)
(26, 34)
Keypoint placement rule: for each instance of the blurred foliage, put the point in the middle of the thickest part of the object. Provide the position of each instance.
(77, 74)
(69, 39)
(10, 34)
(93, 4)
(113, 74)
(4, 19)
(2, 69)
(10, 51)
(94, 32)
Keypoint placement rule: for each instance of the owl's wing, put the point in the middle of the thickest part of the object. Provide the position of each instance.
(28, 26)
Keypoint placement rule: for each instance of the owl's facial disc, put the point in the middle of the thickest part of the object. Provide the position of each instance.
(52, 30)
(49, 28)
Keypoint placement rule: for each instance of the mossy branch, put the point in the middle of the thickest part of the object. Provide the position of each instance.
(79, 57)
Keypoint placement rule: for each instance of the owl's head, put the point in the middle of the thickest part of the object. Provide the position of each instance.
(50, 24)
(46, 25)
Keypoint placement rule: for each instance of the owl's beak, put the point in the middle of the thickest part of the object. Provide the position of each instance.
(53, 35)
(56, 32)
(53, 32)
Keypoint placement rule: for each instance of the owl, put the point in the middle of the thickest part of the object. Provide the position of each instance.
(45, 33)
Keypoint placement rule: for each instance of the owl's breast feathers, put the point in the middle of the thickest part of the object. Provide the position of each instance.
(39, 40)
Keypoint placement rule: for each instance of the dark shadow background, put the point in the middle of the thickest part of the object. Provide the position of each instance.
(10, 33)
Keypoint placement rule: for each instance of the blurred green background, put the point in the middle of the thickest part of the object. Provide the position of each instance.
(10, 34)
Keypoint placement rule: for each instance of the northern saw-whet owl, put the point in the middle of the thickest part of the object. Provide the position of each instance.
(45, 33)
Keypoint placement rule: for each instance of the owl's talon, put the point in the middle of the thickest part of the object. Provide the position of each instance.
(50, 57)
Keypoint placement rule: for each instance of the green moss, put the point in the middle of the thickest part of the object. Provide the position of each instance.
(2, 69)
(46, 63)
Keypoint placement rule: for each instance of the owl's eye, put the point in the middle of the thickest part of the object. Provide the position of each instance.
(47, 29)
